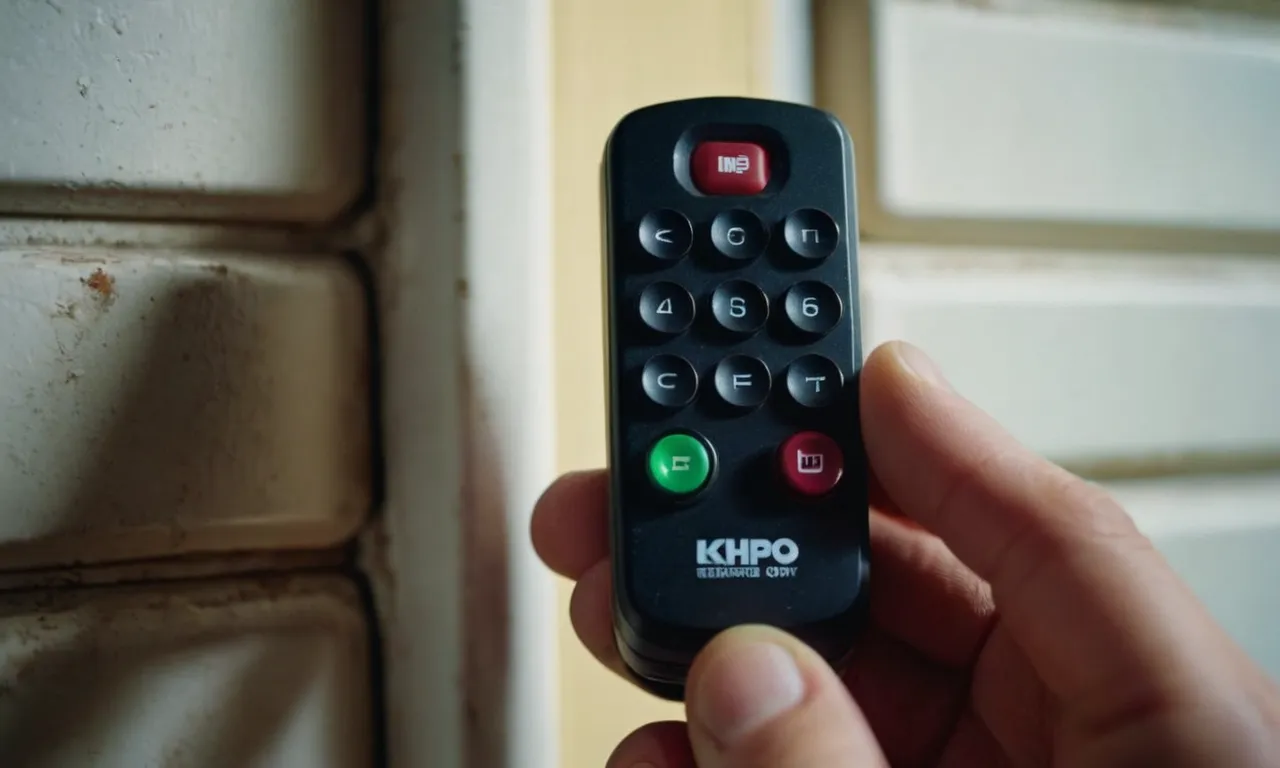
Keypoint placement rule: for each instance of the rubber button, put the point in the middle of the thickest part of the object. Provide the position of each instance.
(742, 381)
(669, 381)
(811, 234)
(739, 235)
(811, 463)
(679, 463)
(813, 307)
(739, 307)
(729, 168)
(666, 234)
(814, 381)
(666, 308)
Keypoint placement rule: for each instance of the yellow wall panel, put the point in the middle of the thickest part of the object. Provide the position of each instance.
(612, 56)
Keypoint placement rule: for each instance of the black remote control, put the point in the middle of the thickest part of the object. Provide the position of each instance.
(738, 474)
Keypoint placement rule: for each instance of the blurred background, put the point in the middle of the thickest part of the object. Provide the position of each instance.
(1073, 205)
(300, 312)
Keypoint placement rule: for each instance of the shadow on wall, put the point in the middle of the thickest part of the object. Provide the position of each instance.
(175, 406)
(234, 674)
(486, 531)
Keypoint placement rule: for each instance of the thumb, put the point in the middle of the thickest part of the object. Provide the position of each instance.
(758, 697)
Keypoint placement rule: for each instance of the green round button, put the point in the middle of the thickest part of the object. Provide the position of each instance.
(679, 463)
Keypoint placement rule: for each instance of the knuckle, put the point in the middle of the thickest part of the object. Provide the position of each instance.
(1024, 551)
(967, 483)
(1048, 515)
(1091, 515)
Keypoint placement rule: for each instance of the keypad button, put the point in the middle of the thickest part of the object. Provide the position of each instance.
(811, 463)
(729, 168)
(679, 463)
(666, 234)
(814, 381)
(739, 234)
(666, 308)
(813, 307)
(742, 381)
(740, 307)
(669, 381)
(811, 234)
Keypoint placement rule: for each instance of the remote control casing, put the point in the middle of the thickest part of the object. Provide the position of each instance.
(665, 606)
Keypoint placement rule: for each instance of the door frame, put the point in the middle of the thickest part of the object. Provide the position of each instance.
(463, 283)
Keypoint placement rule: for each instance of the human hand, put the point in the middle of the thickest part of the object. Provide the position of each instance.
(1018, 617)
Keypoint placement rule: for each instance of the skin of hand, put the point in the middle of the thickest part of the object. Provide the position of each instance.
(1018, 617)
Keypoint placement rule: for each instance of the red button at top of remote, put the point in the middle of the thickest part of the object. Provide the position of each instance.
(811, 463)
(730, 168)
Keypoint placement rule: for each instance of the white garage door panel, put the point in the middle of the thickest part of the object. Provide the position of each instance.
(1235, 573)
(1093, 358)
(243, 109)
(1222, 535)
(270, 675)
(160, 403)
(998, 114)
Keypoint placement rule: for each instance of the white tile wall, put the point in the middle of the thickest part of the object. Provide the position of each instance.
(1221, 534)
(1095, 358)
(269, 674)
(992, 113)
(155, 403)
(185, 384)
(235, 109)
(1075, 207)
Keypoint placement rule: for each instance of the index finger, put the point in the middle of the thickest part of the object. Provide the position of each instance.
(570, 524)
(1085, 594)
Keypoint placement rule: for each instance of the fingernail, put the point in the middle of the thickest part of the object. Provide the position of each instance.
(920, 364)
(745, 686)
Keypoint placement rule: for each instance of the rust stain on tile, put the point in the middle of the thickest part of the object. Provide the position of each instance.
(102, 284)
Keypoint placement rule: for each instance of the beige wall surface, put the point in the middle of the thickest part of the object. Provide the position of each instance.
(612, 56)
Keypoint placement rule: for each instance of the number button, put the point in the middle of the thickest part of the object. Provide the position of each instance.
(666, 234)
(813, 307)
(666, 308)
(811, 234)
(742, 381)
(814, 381)
(739, 307)
(739, 235)
(669, 381)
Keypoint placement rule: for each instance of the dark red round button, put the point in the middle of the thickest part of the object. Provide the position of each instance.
(811, 463)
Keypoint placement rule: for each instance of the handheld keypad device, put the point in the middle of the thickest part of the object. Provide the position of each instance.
(738, 475)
